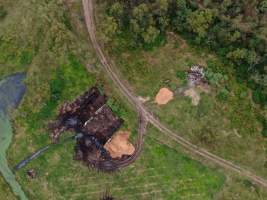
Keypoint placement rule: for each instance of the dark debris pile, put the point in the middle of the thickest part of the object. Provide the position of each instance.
(93, 120)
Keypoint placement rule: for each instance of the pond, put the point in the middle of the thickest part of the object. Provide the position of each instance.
(12, 90)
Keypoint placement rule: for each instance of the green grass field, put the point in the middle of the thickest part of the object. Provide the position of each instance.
(235, 187)
(5, 191)
(57, 73)
(51, 46)
(226, 121)
(160, 173)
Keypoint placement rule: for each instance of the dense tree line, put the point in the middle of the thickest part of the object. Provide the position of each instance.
(236, 30)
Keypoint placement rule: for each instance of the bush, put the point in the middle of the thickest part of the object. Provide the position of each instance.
(259, 97)
(26, 58)
(181, 75)
(264, 128)
(215, 78)
(3, 12)
(223, 94)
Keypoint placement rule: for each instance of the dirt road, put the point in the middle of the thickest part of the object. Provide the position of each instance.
(89, 18)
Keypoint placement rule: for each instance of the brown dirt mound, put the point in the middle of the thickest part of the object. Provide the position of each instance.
(119, 145)
(164, 96)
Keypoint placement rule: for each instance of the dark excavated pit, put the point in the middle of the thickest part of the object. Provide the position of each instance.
(94, 123)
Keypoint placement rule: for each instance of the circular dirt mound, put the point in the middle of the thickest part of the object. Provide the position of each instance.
(119, 145)
(164, 96)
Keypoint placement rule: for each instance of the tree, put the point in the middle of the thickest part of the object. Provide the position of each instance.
(150, 35)
(140, 13)
(199, 21)
(117, 11)
(143, 25)
(252, 59)
(160, 14)
(263, 6)
(109, 28)
(238, 56)
(234, 36)
(179, 15)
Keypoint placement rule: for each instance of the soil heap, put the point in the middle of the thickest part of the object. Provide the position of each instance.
(119, 145)
(164, 96)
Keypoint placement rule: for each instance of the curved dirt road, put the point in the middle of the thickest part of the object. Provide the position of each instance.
(89, 19)
(139, 143)
(114, 165)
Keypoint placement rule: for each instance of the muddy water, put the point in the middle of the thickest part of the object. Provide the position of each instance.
(12, 90)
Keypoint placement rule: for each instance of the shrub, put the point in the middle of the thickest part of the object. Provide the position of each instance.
(264, 128)
(3, 12)
(181, 75)
(223, 94)
(26, 58)
(259, 96)
(215, 78)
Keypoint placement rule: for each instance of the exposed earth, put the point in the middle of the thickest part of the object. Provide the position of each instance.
(164, 96)
(193, 94)
(119, 145)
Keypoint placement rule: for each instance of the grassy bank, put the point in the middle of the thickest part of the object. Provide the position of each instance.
(5, 190)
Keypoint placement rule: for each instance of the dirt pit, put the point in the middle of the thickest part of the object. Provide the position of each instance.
(164, 96)
(193, 94)
(119, 145)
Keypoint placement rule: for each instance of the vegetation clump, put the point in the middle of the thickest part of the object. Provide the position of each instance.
(236, 30)
(3, 12)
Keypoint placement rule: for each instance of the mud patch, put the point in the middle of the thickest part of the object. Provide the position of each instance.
(164, 96)
(119, 145)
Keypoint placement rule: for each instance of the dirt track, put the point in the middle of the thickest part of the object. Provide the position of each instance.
(147, 116)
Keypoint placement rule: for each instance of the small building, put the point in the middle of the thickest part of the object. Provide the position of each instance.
(88, 114)
(195, 75)
(93, 119)
(103, 124)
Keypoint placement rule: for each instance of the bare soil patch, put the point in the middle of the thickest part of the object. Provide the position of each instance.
(164, 96)
(143, 99)
(119, 145)
(204, 87)
(193, 94)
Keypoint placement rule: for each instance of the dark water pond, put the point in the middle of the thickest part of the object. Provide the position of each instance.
(12, 89)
